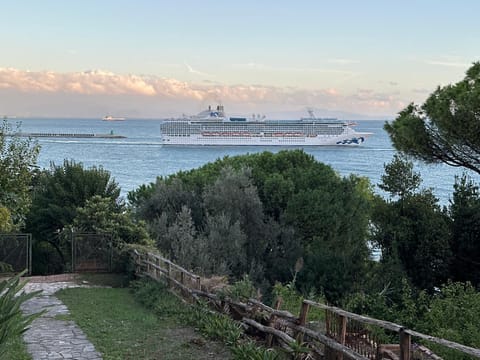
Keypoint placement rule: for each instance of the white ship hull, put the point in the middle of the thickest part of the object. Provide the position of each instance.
(350, 138)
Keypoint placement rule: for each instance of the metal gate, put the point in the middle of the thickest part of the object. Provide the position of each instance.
(15, 253)
(91, 252)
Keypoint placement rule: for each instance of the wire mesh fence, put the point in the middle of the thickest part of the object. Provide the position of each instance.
(91, 252)
(15, 253)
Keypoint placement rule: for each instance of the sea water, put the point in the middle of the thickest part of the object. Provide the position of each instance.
(140, 157)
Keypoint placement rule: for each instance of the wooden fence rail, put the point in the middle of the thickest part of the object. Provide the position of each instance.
(347, 335)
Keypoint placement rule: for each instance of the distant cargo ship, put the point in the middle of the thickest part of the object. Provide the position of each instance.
(213, 127)
(112, 118)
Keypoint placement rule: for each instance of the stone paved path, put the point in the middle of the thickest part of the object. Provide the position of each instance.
(50, 338)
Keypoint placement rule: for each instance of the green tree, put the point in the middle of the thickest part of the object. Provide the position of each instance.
(446, 128)
(182, 239)
(278, 207)
(412, 230)
(399, 178)
(332, 221)
(234, 195)
(226, 246)
(18, 157)
(167, 196)
(453, 315)
(58, 193)
(465, 242)
(5, 220)
(61, 190)
(105, 215)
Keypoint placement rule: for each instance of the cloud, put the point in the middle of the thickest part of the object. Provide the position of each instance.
(343, 61)
(447, 63)
(196, 72)
(87, 82)
(156, 92)
(264, 67)
(421, 91)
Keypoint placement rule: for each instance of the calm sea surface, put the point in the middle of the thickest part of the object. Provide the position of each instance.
(140, 157)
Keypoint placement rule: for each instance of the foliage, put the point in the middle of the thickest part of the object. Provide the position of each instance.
(220, 327)
(412, 231)
(453, 315)
(124, 261)
(334, 222)
(249, 350)
(61, 190)
(6, 224)
(399, 178)
(57, 195)
(234, 211)
(105, 215)
(181, 236)
(291, 300)
(464, 212)
(298, 350)
(241, 290)
(446, 127)
(5, 267)
(401, 304)
(18, 157)
(273, 209)
(12, 321)
(16, 349)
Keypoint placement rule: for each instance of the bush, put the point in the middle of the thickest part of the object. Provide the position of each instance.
(292, 301)
(251, 351)
(12, 321)
(241, 290)
(453, 315)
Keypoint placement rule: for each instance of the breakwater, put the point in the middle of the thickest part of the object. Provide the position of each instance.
(68, 135)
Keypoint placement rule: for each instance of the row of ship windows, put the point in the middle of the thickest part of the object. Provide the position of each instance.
(252, 131)
(185, 129)
(239, 127)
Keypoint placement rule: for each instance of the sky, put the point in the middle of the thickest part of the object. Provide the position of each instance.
(153, 58)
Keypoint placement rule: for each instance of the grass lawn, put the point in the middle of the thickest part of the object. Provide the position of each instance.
(121, 328)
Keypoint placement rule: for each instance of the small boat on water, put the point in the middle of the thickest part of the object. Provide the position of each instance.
(113, 118)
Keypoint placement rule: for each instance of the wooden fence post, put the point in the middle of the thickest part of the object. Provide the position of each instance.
(272, 320)
(302, 319)
(148, 264)
(199, 285)
(342, 323)
(329, 353)
(405, 341)
(169, 273)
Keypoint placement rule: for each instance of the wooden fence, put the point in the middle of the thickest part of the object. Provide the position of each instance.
(345, 335)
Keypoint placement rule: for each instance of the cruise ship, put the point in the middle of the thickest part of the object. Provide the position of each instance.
(213, 127)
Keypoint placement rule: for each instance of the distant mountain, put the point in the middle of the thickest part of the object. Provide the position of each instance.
(342, 115)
